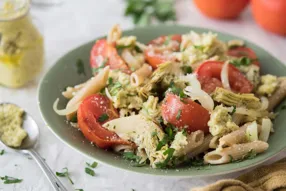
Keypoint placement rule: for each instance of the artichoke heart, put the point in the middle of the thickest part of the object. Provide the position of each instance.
(240, 100)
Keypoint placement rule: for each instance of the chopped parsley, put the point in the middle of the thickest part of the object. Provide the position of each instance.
(187, 69)
(167, 40)
(10, 180)
(65, 173)
(163, 142)
(134, 158)
(199, 47)
(80, 67)
(178, 116)
(103, 117)
(74, 119)
(197, 162)
(250, 155)
(121, 47)
(233, 110)
(154, 134)
(2, 152)
(96, 70)
(93, 165)
(169, 152)
(79, 189)
(178, 91)
(110, 81)
(242, 61)
(89, 171)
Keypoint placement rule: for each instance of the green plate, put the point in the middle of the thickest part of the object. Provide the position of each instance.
(64, 73)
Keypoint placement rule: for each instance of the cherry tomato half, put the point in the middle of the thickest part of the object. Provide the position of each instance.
(187, 114)
(92, 113)
(104, 53)
(160, 49)
(209, 76)
(242, 51)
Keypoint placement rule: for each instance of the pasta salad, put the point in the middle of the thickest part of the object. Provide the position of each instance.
(177, 99)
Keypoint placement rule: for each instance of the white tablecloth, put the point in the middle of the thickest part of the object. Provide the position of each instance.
(64, 28)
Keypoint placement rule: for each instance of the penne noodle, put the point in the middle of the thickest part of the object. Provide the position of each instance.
(202, 148)
(139, 76)
(234, 152)
(71, 91)
(133, 61)
(235, 137)
(214, 142)
(123, 148)
(278, 95)
(92, 86)
(114, 34)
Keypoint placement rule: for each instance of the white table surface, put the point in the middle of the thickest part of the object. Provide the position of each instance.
(68, 26)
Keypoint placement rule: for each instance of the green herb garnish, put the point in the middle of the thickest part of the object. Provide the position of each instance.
(134, 158)
(96, 70)
(89, 171)
(110, 81)
(233, 110)
(74, 119)
(201, 48)
(163, 142)
(250, 155)
(93, 165)
(80, 67)
(243, 61)
(178, 116)
(10, 180)
(187, 69)
(169, 152)
(65, 174)
(103, 117)
(178, 91)
(154, 134)
(79, 189)
(143, 12)
(2, 152)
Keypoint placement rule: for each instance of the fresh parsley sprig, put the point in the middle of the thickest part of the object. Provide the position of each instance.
(66, 174)
(10, 180)
(144, 11)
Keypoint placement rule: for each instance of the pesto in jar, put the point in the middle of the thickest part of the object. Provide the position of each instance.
(21, 45)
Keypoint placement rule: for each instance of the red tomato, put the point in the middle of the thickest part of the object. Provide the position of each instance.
(185, 114)
(89, 113)
(270, 14)
(102, 51)
(221, 9)
(243, 52)
(156, 54)
(209, 77)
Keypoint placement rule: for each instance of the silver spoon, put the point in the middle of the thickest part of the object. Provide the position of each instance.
(32, 129)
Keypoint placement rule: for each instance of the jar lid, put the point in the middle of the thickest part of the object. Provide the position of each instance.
(13, 9)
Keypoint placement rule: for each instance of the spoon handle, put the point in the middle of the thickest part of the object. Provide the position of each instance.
(56, 183)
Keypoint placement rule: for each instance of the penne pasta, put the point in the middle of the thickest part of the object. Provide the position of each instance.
(278, 95)
(235, 137)
(214, 143)
(133, 61)
(234, 152)
(92, 86)
(123, 148)
(114, 34)
(194, 140)
(138, 77)
(71, 91)
(202, 148)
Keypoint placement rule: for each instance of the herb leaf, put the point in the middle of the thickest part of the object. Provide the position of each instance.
(187, 69)
(89, 171)
(93, 165)
(79, 189)
(103, 117)
(65, 173)
(242, 61)
(96, 70)
(233, 110)
(80, 67)
(10, 180)
(178, 116)
(74, 119)
(169, 152)
(2, 152)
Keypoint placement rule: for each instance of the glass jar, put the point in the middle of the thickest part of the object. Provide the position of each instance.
(21, 44)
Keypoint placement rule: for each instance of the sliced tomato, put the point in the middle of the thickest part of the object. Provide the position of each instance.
(243, 51)
(187, 114)
(104, 53)
(160, 49)
(92, 113)
(209, 76)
